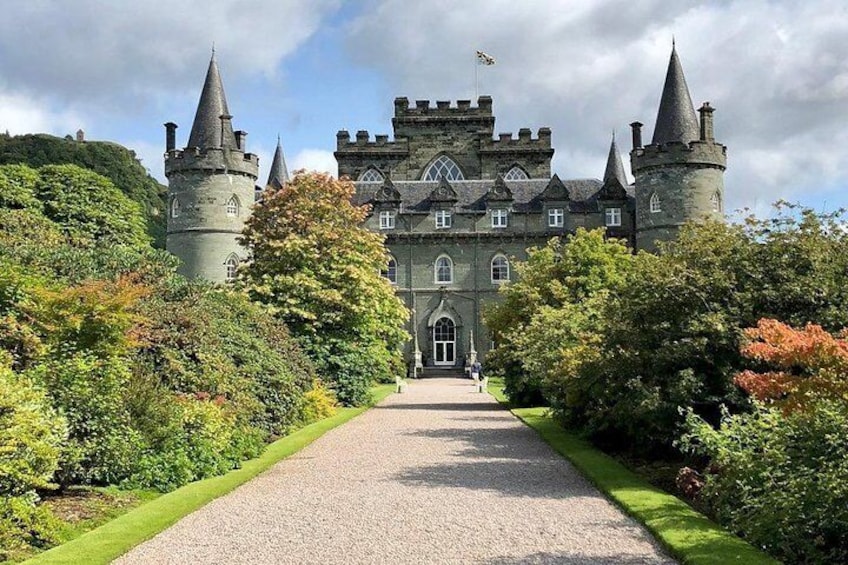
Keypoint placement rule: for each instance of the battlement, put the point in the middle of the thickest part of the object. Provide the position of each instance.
(525, 140)
(675, 153)
(212, 159)
(363, 141)
(443, 108)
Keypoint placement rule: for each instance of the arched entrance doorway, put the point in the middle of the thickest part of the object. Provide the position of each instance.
(444, 342)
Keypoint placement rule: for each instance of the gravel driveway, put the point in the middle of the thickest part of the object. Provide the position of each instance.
(440, 474)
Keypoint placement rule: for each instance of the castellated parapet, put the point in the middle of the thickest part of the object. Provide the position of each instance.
(424, 131)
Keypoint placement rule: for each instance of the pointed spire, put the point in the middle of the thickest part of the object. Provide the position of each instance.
(676, 120)
(208, 127)
(279, 175)
(615, 167)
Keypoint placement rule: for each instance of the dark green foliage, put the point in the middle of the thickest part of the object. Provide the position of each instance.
(779, 479)
(111, 160)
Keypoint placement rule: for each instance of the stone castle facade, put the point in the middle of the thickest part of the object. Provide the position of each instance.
(457, 204)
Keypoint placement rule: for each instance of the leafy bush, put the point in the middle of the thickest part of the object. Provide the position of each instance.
(779, 479)
(102, 445)
(31, 436)
(318, 403)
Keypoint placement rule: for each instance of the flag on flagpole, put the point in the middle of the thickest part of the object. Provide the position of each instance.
(484, 59)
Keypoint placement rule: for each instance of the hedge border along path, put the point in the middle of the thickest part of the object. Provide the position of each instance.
(688, 535)
(113, 539)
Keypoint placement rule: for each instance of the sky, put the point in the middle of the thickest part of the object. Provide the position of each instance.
(776, 72)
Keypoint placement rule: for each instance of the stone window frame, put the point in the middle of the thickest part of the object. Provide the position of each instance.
(391, 270)
(443, 219)
(443, 264)
(176, 207)
(500, 272)
(371, 174)
(388, 219)
(500, 218)
(233, 207)
(654, 204)
(612, 216)
(556, 217)
(440, 163)
(516, 172)
(231, 263)
(715, 201)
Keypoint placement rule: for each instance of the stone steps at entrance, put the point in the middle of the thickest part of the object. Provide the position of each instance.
(444, 373)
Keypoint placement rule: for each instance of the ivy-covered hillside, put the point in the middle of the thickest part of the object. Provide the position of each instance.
(113, 161)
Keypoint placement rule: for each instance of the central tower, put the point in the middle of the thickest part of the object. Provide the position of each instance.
(211, 185)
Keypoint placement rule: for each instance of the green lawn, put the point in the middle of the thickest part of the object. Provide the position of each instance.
(113, 539)
(688, 535)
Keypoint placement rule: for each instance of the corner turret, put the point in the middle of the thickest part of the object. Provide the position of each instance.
(680, 175)
(210, 187)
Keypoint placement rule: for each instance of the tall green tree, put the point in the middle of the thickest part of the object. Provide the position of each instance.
(318, 267)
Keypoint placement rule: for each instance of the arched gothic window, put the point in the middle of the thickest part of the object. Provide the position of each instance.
(232, 266)
(516, 173)
(175, 207)
(445, 167)
(500, 269)
(371, 175)
(233, 207)
(391, 270)
(444, 270)
(715, 200)
(656, 206)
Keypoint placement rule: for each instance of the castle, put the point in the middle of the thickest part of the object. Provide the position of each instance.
(457, 205)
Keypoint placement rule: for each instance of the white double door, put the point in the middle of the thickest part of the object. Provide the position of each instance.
(444, 342)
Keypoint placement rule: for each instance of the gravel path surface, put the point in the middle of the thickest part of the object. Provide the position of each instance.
(440, 474)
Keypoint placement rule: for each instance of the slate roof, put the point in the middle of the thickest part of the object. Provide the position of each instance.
(676, 119)
(206, 129)
(615, 167)
(279, 174)
(471, 194)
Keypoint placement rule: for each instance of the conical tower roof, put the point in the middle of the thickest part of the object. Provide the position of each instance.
(615, 167)
(676, 119)
(207, 129)
(279, 174)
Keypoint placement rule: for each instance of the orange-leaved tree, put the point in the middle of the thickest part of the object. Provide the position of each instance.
(806, 363)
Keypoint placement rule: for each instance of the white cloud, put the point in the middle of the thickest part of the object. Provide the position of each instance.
(314, 160)
(777, 72)
(23, 114)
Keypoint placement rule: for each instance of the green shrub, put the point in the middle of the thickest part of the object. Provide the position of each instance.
(102, 446)
(318, 403)
(779, 480)
(31, 434)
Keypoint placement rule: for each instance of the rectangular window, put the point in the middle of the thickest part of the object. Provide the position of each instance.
(499, 218)
(613, 217)
(443, 219)
(556, 218)
(387, 220)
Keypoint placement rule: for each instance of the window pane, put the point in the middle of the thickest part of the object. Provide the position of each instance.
(443, 167)
(371, 175)
(516, 173)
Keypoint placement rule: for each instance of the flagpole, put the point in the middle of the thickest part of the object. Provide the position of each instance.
(476, 80)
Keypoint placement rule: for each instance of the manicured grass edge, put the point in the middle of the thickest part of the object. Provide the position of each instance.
(688, 535)
(114, 538)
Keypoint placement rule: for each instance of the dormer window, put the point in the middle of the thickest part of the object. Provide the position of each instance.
(516, 173)
(613, 217)
(556, 217)
(387, 219)
(655, 204)
(443, 168)
(499, 218)
(443, 219)
(233, 207)
(371, 175)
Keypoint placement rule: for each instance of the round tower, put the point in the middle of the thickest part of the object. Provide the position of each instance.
(680, 175)
(211, 185)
